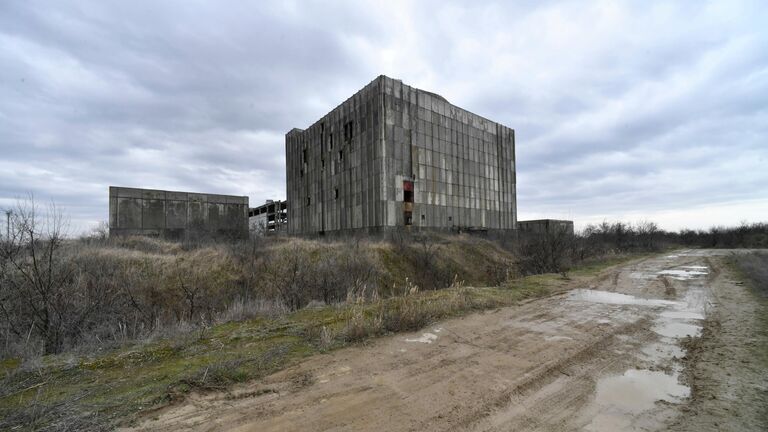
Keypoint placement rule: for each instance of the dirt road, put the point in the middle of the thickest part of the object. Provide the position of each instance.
(603, 357)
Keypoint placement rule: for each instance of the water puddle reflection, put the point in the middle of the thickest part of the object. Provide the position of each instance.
(622, 399)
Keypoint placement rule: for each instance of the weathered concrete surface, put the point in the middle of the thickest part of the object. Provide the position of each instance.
(176, 215)
(545, 226)
(391, 155)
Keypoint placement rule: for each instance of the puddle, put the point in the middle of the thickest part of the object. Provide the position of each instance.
(682, 274)
(427, 338)
(696, 267)
(657, 352)
(672, 256)
(674, 329)
(621, 399)
(682, 314)
(557, 338)
(641, 275)
(606, 297)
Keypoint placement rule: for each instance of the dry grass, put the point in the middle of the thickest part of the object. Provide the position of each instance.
(754, 268)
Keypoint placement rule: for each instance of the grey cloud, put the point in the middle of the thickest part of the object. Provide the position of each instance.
(617, 107)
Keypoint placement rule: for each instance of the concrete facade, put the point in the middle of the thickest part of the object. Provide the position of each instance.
(176, 215)
(393, 156)
(545, 226)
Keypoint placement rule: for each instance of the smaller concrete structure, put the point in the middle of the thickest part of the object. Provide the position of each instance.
(545, 226)
(176, 215)
(270, 217)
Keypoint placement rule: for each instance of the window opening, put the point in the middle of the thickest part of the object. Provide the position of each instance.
(348, 130)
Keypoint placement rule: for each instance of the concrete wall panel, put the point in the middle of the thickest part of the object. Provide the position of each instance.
(176, 215)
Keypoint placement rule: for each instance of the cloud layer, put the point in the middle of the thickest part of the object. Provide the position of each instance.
(621, 109)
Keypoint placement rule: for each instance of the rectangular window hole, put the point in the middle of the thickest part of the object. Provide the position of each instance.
(407, 191)
(348, 131)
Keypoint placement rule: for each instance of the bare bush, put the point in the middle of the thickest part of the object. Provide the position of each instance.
(551, 252)
(430, 271)
(41, 295)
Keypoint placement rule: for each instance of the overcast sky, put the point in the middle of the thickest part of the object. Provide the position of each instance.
(630, 110)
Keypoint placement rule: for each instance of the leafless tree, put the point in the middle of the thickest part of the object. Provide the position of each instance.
(34, 280)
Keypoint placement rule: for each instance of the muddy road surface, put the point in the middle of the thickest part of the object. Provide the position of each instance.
(609, 355)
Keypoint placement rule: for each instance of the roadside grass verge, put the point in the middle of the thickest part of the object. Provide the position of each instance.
(99, 392)
(752, 270)
(725, 367)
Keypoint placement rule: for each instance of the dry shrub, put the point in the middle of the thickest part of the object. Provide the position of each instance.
(404, 314)
(145, 244)
(300, 271)
(358, 327)
(244, 309)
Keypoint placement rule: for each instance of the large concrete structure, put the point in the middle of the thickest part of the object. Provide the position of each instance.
(176, 215)
(395, 156)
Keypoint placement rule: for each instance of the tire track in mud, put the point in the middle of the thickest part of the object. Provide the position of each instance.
(583, 360)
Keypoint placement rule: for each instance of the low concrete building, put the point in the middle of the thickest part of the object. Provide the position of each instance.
(397, 157)
(176, 215)
(545, 226)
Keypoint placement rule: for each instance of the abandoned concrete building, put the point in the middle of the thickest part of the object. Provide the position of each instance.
(270, 217)
(394, 156)
(176, 215)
